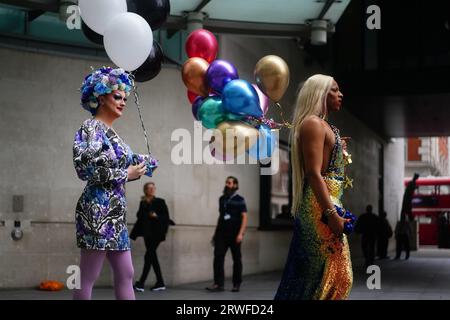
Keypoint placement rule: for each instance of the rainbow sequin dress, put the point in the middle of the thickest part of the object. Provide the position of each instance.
(318, 264)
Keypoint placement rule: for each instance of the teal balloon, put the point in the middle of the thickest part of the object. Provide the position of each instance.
(233, 117)
(211, 112)
(266, 144)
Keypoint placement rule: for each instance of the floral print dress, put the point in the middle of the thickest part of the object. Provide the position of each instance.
(101, 158)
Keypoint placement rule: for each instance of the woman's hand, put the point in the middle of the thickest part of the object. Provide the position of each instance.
(336, 224)
(135, 172)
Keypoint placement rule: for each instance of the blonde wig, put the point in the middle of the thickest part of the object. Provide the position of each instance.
(311, 100)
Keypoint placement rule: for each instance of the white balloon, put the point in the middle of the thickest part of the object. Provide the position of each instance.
(98, 13)
(128, 40)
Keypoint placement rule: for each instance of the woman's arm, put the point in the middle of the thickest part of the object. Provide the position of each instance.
(91, 163)
(312, 144)
(141, 211)
(164, 215)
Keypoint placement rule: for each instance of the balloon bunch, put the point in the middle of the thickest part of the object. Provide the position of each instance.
(223, 101)
(125, 28)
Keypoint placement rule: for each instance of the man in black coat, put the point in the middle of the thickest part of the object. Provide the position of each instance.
(384, 232)
(367, 226)
(229, 234)
(152, 224)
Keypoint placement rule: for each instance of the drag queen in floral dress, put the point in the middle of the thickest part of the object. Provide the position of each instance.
(106, 163)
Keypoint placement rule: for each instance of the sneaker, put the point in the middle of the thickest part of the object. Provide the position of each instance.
(158, 287)
(215, 288)
(138, 287)
(235, 289)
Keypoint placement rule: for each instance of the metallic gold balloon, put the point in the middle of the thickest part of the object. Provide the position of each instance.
(272, 76)
(233, 138)
(193, 74)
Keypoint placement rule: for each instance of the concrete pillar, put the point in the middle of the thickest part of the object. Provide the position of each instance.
(195, 21)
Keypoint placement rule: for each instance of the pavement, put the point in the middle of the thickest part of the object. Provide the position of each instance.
(425, 276)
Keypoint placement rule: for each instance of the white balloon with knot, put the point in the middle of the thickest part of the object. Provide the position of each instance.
(127, 37)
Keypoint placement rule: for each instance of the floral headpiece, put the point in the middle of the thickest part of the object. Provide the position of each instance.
(103, 81)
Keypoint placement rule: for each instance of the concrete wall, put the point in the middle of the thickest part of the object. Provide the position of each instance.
(40, 114)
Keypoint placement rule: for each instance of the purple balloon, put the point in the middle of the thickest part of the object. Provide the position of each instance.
(263, 99)
(219, 73)
(196, 105)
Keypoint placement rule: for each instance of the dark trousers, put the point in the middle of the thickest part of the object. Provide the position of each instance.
(368, 248)
(382, 247)
(151, 259)
(402, 244)
(221, 245)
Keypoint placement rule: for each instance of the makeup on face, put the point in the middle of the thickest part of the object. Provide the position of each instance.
(118, 97)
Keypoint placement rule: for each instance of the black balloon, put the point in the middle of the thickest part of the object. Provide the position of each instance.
(155, 12)
(152, 66)
(91, 34)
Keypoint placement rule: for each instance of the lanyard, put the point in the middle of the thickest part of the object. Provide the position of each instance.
(225, 206)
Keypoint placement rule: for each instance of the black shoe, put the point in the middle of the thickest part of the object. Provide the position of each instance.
(215, 288)
(158, 287)
(236, 289)
(138, 287)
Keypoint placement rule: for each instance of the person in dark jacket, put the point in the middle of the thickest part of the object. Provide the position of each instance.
(402, 237)
(152, 223)
(384, 233)
(367, 225)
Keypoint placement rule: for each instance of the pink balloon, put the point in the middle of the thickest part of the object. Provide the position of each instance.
(203, 44)
(263, 99)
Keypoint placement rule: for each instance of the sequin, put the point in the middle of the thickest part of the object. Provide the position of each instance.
(318, 264)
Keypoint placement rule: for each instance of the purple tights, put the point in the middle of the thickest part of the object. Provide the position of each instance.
(91, 264)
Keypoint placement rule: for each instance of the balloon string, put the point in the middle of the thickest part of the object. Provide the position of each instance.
(136, 101)
(285, 123)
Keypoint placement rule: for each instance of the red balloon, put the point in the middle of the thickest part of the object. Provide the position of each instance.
(191, 96)
(202, 43)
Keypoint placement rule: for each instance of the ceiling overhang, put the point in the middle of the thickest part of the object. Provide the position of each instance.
(284, 18)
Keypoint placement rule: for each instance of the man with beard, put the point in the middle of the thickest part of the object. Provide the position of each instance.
(229, 234)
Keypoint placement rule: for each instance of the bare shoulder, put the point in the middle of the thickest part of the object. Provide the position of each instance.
(312, 125)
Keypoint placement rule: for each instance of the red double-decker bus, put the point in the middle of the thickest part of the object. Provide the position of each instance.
(431, 208)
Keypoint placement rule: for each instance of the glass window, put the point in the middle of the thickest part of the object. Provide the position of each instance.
(444, 189)
(276, 194)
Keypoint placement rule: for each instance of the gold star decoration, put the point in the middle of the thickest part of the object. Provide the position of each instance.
(348, 182)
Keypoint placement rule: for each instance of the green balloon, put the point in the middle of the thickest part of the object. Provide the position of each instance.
(211, 112)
